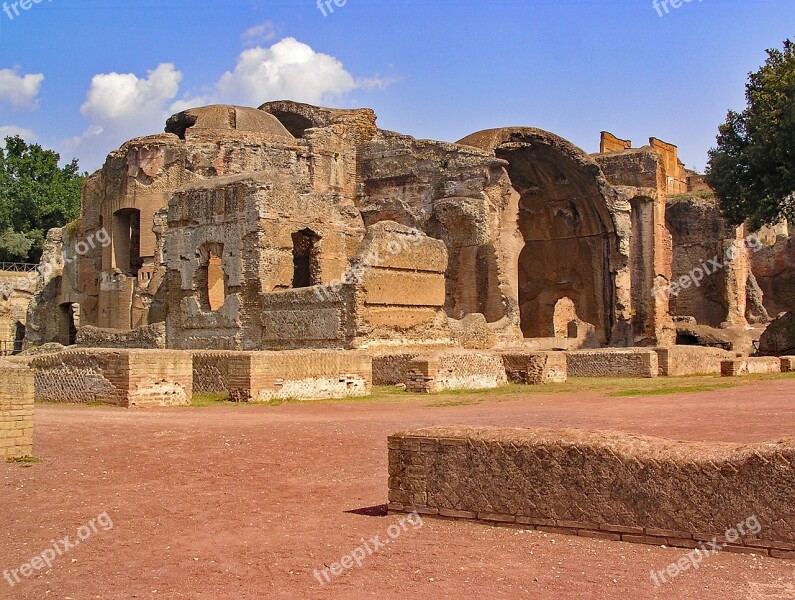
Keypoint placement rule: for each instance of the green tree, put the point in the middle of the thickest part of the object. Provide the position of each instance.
(35, 196)
(752, 170)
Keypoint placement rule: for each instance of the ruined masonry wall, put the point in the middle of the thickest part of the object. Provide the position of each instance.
(613, 362)
(587, 483)
(16, 413)
(126, 378)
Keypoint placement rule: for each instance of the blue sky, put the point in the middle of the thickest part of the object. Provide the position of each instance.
(84, 76)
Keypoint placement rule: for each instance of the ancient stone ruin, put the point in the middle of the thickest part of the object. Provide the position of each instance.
(301, 228)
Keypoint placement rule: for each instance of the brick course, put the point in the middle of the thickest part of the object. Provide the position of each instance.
(126, 378)
(16, 412)
(636, 488)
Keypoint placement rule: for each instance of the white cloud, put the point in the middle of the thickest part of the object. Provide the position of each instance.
(190, 102)
(12, 130)
(288, 70)
(20, 91)
(259, 34)
(125, 101)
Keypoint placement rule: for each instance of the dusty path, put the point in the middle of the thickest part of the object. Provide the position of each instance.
(246, 502)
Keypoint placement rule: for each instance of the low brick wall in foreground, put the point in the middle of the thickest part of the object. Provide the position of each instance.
(126, 378)
(598, 484)
(16, 412)
(613, 362)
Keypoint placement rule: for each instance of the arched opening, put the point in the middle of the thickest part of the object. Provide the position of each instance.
(67, 323)
(641, 255)
(127, 241)
(568, 234)
(306, 259)
(19, 337)
(294, 123)
(211, 281)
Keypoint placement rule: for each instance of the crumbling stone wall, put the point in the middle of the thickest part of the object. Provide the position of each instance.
(774, 268)
(125, 378)
(149, 337)
(535, 368)
(612, 362)
(609, 485)
(701, 235)
(298, 375)
(16, 292)
(678, 361)
(16, 412)
(211, 371)
(455, 370)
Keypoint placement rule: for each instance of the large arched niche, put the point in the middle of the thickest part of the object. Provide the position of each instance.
(568, 232)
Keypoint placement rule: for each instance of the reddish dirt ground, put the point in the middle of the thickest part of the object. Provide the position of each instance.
(228, 502)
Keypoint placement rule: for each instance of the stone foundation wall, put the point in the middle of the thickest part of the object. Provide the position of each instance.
(455, 371)
(151, 337)
(211, 371)
(535, 368)
(126, 378)
(16, 412)
(391, 369)
(299, 375)
(750, 366)
(596, 484)
(691, 360)
(613, 362)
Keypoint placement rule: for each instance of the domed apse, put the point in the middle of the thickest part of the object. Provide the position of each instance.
(568, 234)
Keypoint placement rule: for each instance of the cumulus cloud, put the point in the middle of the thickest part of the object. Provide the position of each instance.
(12, 130)
(287, 70)
(121, 106)
(125, 100)
(20, 91)
(259, 34)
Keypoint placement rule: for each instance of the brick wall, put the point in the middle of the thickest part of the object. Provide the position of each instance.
(16, 412)
(211, 371)
(690, 360)
(598, 484)
(128, 378)
(391, 369)
(151, 337)
(452, 370)
(613, 362)
(299, 374)
(535, 368)
(750, 366)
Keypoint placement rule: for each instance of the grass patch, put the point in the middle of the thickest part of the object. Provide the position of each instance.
(204, 400)
(677, 389)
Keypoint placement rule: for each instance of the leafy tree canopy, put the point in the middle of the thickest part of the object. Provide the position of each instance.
(35, 196)
(753, 167)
